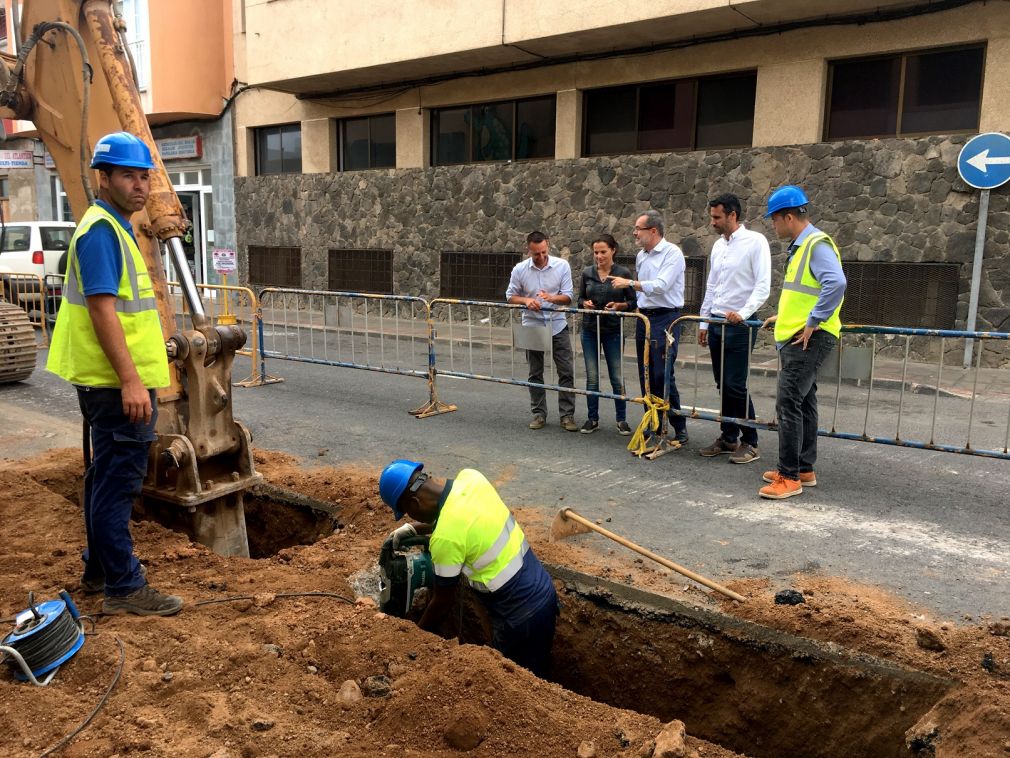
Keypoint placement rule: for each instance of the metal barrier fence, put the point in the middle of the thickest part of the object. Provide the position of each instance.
(392, 334)
(30, 293)
(877, 394)
(230, 305)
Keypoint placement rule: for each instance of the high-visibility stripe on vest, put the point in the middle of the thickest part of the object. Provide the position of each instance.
(476, 535)
(800, 291)
(75, 353)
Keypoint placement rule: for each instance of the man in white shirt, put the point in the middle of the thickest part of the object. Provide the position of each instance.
(739, 280)
(660, 269)
(541, 283)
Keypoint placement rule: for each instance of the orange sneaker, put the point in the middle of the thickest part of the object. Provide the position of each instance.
(781, 488)
(807, 478)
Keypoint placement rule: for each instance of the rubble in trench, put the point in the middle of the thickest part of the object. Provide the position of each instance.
(281, 676)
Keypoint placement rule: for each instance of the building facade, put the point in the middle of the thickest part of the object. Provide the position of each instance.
(183, 57)
(413, 153)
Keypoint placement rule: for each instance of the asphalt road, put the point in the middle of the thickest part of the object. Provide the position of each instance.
(932, 527)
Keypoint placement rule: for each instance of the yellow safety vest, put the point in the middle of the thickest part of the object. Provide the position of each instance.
(800, 291)
(75, 353)
(476, 535)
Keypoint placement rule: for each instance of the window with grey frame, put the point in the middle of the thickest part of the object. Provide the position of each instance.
(681, 114)
(476, 276)
(510, 130)
(278, 149)
(368, 142)
(368, 271)
(912, 93)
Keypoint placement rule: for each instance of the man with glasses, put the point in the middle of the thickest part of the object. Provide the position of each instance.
(807, 326)
(474, 535)
(660, 268)
(543, 282)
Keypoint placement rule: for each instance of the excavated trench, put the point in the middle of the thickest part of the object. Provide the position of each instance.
(749, 688)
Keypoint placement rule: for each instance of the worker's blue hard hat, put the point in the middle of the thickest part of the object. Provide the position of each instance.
(394, 480)
(121, 149)
(786, 196)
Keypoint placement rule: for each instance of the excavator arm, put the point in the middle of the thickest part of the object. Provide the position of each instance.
(74, 80)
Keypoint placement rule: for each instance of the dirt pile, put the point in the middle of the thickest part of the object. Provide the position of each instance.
(280, 675)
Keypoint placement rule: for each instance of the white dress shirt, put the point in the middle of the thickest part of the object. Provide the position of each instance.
(660, 273)
(739, 275)
(555, 279)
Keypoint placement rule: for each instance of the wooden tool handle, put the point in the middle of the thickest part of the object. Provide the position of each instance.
(569, 513)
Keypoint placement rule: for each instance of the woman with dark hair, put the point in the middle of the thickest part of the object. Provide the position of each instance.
(604, 331)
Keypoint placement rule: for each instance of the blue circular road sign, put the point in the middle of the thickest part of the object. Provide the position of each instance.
(984, 161)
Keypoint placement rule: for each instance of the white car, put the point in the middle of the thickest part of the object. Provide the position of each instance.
(38, 248)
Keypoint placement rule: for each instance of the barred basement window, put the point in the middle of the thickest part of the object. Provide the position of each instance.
(694, 279)
(361, 271)
(275, 266)
(915, 295)
(476, 276)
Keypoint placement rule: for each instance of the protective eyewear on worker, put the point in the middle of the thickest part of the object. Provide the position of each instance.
(418, 482)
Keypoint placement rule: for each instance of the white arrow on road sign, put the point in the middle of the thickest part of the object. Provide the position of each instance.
(982, 161)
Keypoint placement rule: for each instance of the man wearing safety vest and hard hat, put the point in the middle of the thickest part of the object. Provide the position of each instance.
(108, 343)
(473, 534)
(807, 326)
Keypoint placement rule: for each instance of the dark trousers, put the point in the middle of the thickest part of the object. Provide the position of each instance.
(796, 403)
(734, 344)
(658, 359)
(564, 359)
(610, 343)
(529, 642)
(111, 484)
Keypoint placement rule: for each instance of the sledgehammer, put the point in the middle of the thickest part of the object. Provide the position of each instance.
(568, 523)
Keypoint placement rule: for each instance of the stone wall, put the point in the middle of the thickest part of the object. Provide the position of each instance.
(883, 200)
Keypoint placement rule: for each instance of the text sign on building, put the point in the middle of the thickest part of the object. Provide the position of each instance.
(224, 260)
(180, 147)
(15, 159)
(984, 161)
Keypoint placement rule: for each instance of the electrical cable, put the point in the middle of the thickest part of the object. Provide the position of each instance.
(43, 640)
(235, 598)
(83, 725)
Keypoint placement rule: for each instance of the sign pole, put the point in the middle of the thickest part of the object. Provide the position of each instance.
(976, 271)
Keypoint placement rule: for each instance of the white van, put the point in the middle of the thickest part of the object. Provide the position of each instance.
(39, 248)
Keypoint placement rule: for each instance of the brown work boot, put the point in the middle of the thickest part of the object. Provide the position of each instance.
(146, 601)
(744, 454)
(719, 447)
(538, 422)
(807, 478)
(781, 488)
(568, 424)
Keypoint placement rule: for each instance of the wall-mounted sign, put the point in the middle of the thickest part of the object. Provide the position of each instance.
(180, 147)
(224, 260)
(15, 159)
(50, 163)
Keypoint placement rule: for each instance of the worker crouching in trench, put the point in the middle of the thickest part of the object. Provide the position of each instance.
(474, 535)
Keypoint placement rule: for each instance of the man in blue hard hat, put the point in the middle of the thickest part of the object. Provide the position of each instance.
(108, 342)
(807, 327)
(474, 535)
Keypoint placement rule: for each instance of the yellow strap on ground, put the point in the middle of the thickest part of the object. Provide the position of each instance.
(654, 405)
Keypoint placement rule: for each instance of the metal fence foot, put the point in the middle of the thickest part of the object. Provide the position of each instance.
(433, 408)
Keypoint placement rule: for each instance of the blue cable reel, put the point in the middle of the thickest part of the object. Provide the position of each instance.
(45, 636)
